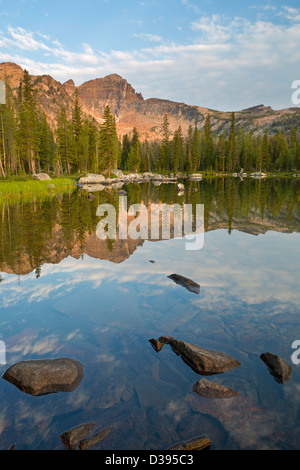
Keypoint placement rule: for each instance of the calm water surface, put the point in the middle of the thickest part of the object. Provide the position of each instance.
(64, 293)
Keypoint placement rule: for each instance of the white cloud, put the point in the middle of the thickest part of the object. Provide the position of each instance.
(149, 37)
(292, 14)
(254, 62)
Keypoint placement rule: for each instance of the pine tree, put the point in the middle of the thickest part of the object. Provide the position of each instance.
(135, 153)
(196, 149)
(44, 151)
(28, 139)
(64, 140)
(125, 152)
(265, 151)
(178, 149)
(221, 153)
(208, 151)
(108, 142)
(165, 147)
(232, 148)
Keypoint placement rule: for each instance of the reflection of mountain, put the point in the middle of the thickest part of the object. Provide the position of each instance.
(56, 250)
(48, 232)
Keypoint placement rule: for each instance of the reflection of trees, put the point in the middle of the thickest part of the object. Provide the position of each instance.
(41, 229)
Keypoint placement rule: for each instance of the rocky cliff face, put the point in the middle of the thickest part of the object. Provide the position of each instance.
(132, 110)
(113, 91)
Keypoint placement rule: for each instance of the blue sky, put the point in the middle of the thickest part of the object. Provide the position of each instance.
(221, 55)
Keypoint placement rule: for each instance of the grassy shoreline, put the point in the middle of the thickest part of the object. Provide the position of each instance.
(15, 188)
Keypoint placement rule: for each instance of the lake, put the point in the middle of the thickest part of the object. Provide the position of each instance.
(66, 293)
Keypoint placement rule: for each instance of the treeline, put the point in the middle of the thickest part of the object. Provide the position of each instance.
(77, 145)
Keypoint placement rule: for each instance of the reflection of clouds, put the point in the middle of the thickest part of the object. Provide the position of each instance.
(26, 414)
(239, 266)
(106, 357)
(79, 398)
(176, 410)
(32, 346)
(73, 334)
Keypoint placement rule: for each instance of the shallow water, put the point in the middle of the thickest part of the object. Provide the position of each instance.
(65, 293)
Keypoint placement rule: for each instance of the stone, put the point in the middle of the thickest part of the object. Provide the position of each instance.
(118, 173)
(279, 369)
(186, 283)
(196, 177)
(209, 389)
(40, 377)
(72, 437)
(180, 187)
(157, 345)
(165, 339)
(42, 177)
(91, 441)
(203, 361)
(122, 193)
(198, 443)
(91, 178)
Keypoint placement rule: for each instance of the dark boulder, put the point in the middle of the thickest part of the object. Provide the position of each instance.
(203, 361)
(279, 369)
(186, 283)
(40, 377)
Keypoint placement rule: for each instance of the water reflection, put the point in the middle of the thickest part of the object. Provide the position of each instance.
(36, 233)
(65, 293)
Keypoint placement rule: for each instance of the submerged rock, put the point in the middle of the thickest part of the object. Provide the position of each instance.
(72, 437)
(185, 282)
(91, 441)
(279, 369)
(203, 361)
(198, 443)
(40, 377)
(209, 389)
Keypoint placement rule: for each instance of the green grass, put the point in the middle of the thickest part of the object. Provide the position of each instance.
(26, 188)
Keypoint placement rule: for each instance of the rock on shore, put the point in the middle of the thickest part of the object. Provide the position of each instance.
(42, 177)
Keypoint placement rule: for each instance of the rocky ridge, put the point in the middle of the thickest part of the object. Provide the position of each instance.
(132, 110)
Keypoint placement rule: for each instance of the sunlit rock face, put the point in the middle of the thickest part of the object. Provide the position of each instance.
(132, 110)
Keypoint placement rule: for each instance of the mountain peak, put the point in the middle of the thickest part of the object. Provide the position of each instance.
(11, 73)
(70, 87)
(259, 109)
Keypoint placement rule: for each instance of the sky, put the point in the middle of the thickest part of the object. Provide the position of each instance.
(220, 55)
